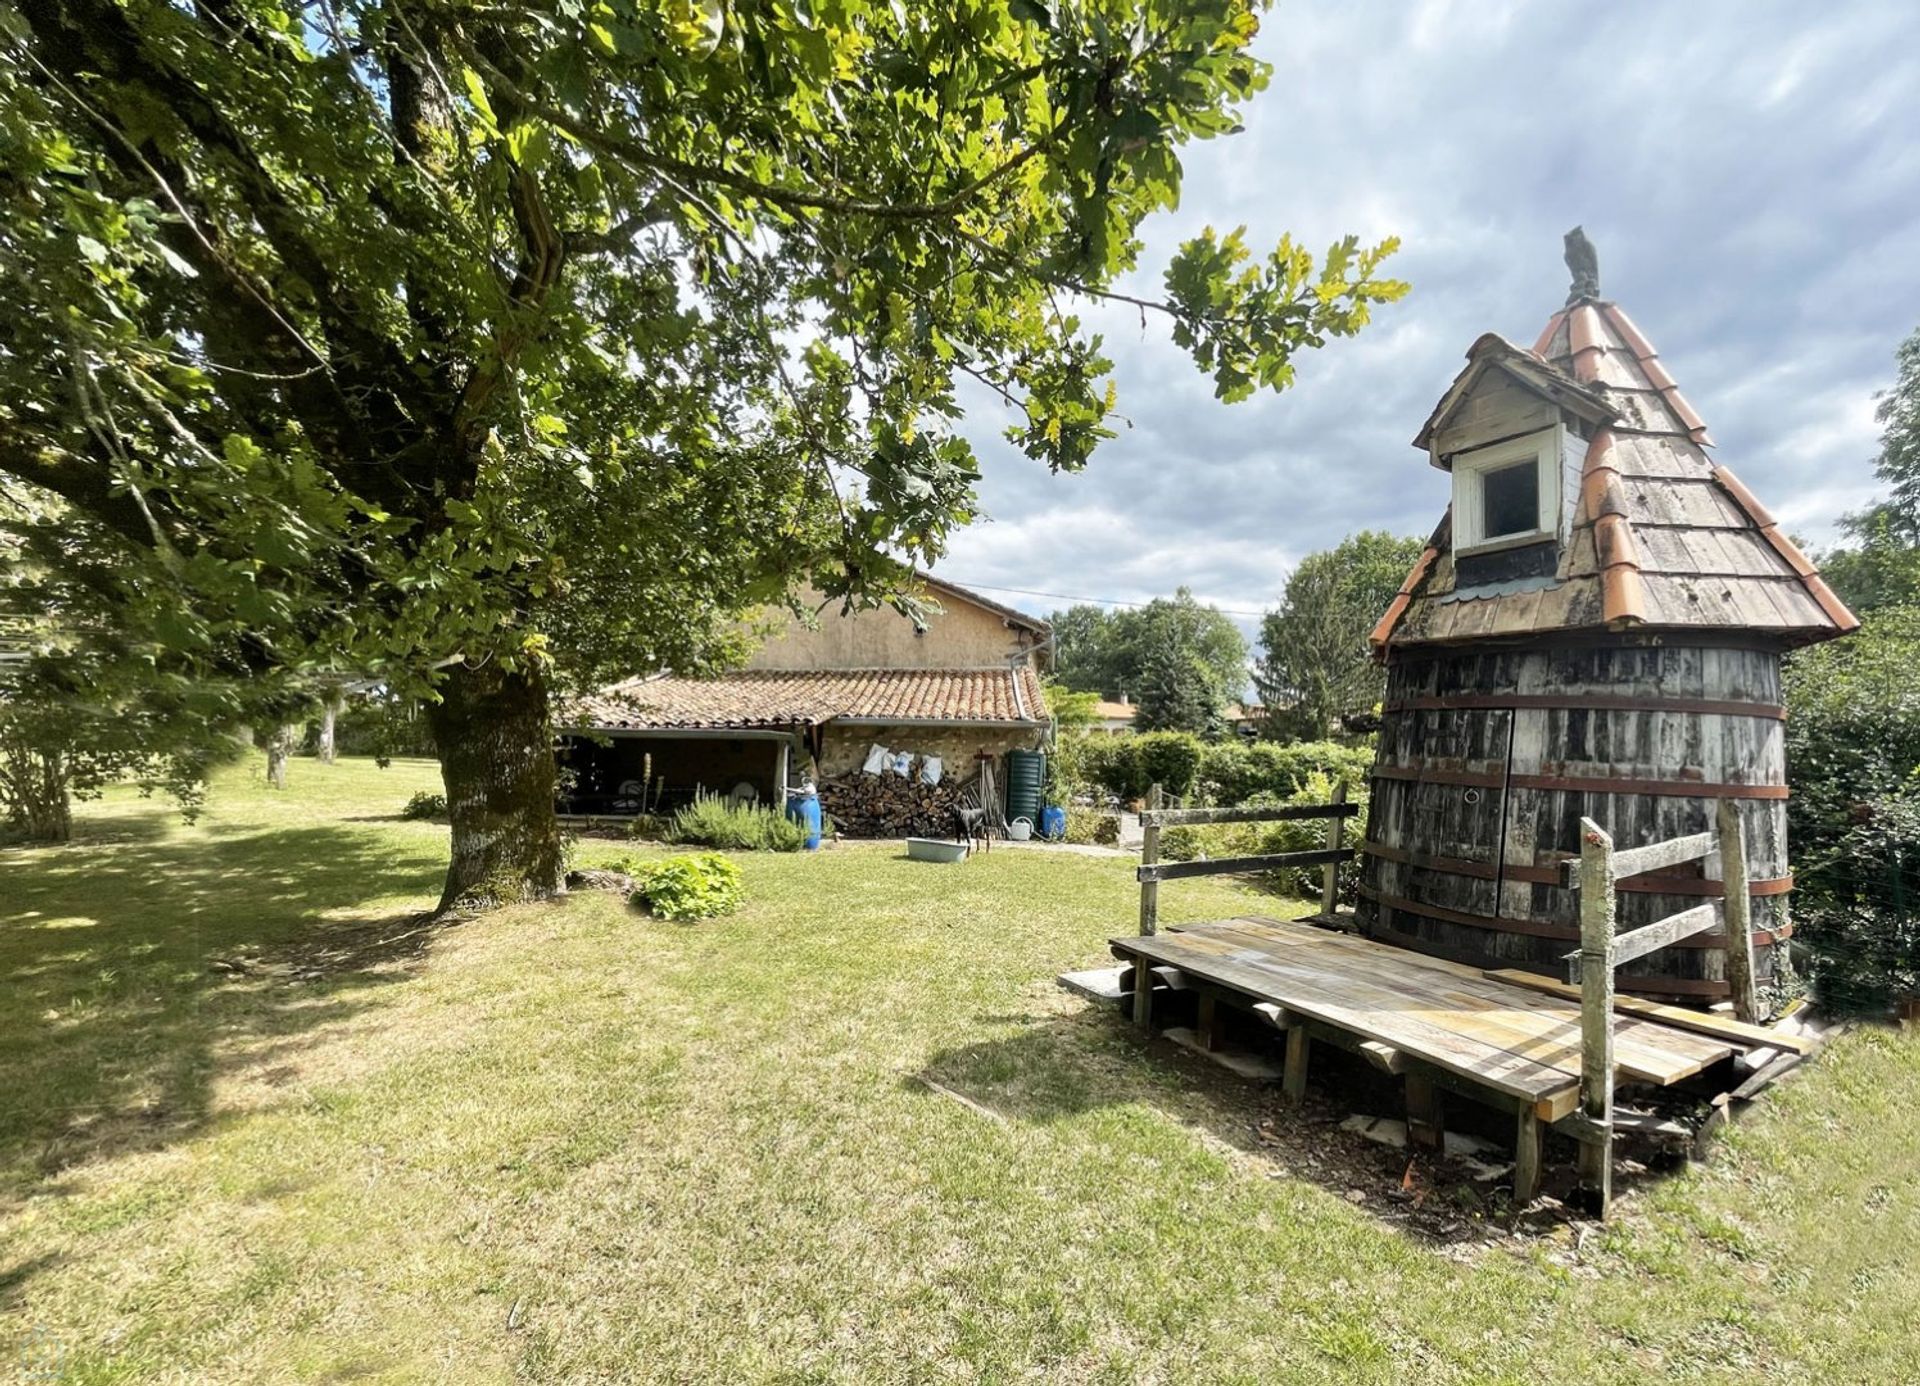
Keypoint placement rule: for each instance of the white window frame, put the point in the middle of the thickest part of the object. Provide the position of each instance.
(1469, 509)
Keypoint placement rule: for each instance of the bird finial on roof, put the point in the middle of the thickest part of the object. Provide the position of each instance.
(1584, 263)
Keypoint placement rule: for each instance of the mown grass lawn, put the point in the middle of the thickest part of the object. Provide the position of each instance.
(255, 1125)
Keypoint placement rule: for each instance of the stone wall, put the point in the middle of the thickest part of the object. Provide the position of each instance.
(846, 748)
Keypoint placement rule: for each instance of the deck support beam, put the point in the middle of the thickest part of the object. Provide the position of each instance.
(1426, 1113)
(1528, 1139)
(1294, 1082)
(1142, 990)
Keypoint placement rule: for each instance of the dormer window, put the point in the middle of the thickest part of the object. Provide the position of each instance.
(1507, 494)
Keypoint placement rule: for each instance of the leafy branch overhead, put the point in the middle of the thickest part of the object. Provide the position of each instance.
(438, 341)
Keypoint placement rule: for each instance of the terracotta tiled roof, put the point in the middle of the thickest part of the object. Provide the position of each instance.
(780, 698)
(1660, 537)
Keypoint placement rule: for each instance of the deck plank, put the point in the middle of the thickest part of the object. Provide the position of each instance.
(1374, 1012)
(1513, 1040)
(1543, 1028)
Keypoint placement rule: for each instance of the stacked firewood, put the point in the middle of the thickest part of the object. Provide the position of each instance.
(863, 805)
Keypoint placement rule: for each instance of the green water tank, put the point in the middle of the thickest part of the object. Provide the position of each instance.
(1026, 782)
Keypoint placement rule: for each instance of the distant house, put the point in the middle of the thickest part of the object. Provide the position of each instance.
(1110, 718)
(817, 699)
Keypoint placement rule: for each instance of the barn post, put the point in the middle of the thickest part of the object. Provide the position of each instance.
(1330, 882)
(1596, 1015)
(1738, 918)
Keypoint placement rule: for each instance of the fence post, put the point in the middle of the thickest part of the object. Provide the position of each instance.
(1149, 912)
(1330, 887)
(1596, 1015)
(1738, 914)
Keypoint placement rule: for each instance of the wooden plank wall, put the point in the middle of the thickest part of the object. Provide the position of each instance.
(1431, 837)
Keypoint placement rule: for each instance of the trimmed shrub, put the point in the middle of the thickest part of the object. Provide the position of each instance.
(425, 805)
(698, 885)
(1168, 759)
(711, 821)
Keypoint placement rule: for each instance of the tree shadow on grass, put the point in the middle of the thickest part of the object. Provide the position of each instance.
(1064, 1065)
(135, 977)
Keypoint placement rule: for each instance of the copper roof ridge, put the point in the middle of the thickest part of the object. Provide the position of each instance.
(1383, 629)
(1603, 499)
(1829, 601)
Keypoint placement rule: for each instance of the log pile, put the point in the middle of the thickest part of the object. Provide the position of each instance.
(863, 805)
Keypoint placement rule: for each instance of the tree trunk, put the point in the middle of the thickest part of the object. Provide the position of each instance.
(328, 710)
(279, 747)
(495, 744)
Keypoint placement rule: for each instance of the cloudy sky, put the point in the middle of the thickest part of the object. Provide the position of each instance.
(1749, 171)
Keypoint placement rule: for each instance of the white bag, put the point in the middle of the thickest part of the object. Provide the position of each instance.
(902, 763)
(876, 760)
(930, 770)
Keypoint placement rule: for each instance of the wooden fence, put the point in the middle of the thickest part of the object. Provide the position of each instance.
(1601, 950)
(1152, 870)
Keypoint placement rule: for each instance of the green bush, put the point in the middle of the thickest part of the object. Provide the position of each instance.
(711, 821)
(1087, 826)
(425, 805)
(1263, 839)
(1859, 911)
(699, 885)
(1169, 759)
(1235, 773)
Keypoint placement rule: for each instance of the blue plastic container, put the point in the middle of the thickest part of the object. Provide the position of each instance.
(1053, 822)
(803, 806)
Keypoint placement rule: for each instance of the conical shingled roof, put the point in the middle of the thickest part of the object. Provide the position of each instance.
(1661, 538)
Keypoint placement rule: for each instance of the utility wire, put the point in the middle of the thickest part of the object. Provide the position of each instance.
(1092, 601)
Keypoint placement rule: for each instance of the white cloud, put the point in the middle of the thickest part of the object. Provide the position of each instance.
(1747, 170)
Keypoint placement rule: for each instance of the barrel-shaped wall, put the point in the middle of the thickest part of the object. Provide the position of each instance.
(1489, 758)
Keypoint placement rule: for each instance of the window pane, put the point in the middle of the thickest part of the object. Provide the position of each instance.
(1510, 499)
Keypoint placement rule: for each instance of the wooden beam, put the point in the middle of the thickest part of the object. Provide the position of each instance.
(1739, 913)
(1637, 861)
(1207, 1022)
(1173, 978)
(1596, 1013)
(1651, 938)
(1279, 813)
(1149, 855)
(1383, 1056)
(1142, 992)
(1527, 1141)
(1149, 872)
(1679, 1017)
(1426, 1112)
(1277, 1016)
(1294, 1083)
(1330, 880)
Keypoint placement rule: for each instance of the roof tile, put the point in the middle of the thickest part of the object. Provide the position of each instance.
(780, 698)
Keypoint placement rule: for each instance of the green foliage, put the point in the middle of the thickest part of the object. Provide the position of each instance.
(1315, 664)
(713, 821)
(487, 349)
(1260, 839)
(1237, 773)
(1127, 766)
(1179, 660)
(1859, 907)
(1072, 711)
(424, 805)
(698, 885)
(1895, 521)
(1093, 827)
(1853, 752)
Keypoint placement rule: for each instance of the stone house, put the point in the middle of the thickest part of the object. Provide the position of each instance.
(814, 700)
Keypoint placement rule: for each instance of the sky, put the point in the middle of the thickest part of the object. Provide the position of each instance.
(1750, 174)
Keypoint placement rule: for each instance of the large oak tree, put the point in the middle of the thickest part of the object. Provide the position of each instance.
(491, 350)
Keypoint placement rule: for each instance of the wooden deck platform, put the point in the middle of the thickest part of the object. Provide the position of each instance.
(1441, 1024)
(1512, 1040)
